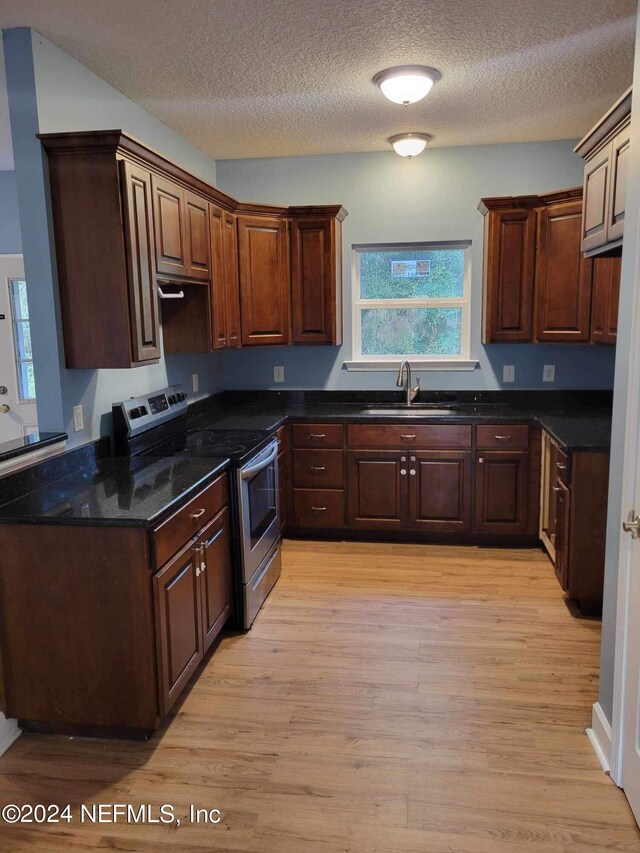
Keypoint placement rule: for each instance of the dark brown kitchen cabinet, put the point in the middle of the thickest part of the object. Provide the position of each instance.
(502, 492)
(232, 278)
(182, 232)
(215, 576)
(136, 190)
(563, 276)
(509, 264)
(537, 284)
(283, 436)
(225, 293)
(376, 489)
(605, 298)
(264, 280)
(131, 610)
(440, 490)
(178, 623)
(562, 521)
(605, 150)
(316, 275)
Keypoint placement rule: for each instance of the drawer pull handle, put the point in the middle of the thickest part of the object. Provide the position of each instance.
(317, 468)
(318, 508)
(317, 435)
(198, 514)
(561, 465)
(556, 488)
(502, 437)
(408, 436)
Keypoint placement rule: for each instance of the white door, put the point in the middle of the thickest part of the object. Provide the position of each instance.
(18, 414)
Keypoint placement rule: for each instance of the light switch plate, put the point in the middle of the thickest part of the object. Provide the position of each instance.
(195, 382)
(278, 373)
(78, 418)
(508, 373)
(549, 373)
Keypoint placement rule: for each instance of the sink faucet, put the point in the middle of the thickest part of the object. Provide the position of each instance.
(411, 393)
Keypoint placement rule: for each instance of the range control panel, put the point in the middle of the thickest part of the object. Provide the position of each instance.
(133, 416)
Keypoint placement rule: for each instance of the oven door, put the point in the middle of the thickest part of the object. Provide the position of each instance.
(259, 508)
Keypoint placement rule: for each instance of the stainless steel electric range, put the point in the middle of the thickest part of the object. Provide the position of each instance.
(156, 425)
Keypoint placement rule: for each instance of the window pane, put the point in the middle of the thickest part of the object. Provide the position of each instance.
(19, 300)
(412, 274)
(27, 380)
(411, 331)
(23, 339)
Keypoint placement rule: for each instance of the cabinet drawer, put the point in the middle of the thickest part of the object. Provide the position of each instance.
(430, 436)
(502, 437)
(173, 533)
(318, 435)
(318, 508)
(318, 469)
(562, 467)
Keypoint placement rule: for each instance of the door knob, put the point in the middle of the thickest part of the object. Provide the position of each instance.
(632, 524)
(4, 408)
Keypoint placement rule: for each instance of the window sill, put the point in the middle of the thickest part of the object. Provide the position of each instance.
(416, 366)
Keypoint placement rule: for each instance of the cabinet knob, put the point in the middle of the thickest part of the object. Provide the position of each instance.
(403, 471)
(481, 460)
(556, 488)
(412, 472)
(403, 458)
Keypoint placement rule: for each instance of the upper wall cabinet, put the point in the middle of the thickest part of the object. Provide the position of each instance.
(605, 150)
(605, 298)
(131, 226)
(316, 275)
(537, 286)
(264, 280)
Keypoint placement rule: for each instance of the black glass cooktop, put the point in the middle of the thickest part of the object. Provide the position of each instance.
(236, 444)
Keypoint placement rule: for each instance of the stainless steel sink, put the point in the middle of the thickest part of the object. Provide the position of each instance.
(420, 410)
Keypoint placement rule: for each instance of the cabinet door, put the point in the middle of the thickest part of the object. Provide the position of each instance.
(178, 623)
(618, 184)
(218, 279)
(561, 562)
(596, 200)
(197, 236)
(314, 285)
(563, 276)
(138, 233)
(377, 489)
(215, 577)
(440, 490)
(502, 486)
(264, 280)
(604, 300)
(510, 237)
(169, 215)
(231, 271)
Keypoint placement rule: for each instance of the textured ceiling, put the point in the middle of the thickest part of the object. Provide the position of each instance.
(262, 78)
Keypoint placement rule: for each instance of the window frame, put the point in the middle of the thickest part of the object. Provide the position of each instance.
(460, 361)
(18, 359)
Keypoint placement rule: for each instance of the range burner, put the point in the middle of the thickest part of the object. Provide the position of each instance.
(211, 442)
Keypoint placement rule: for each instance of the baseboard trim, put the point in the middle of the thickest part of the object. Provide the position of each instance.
(9, 732)
(600, 737)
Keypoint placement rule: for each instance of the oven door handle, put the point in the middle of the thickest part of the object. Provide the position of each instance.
(250, 470)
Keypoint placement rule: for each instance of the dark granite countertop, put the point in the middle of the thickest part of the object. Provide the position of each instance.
(136, 492)
(576, 420)
(28, 443)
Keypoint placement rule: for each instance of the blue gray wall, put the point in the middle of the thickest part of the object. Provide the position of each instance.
(432, 197)
(50, 92)
(10, 242)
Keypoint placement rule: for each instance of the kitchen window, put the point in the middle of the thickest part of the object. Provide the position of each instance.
(411, 300)
(22, 339)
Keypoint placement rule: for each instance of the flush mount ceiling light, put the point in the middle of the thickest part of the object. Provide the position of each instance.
(409, 144)
(406, 84)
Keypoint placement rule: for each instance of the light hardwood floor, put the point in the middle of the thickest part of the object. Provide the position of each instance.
(389, 698)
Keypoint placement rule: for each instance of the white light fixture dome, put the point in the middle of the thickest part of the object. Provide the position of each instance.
(406, 84)
(410, 144)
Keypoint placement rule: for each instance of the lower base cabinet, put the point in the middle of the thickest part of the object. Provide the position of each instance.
(502, 490)
(440, 490)
(377, 489)
(124, 616)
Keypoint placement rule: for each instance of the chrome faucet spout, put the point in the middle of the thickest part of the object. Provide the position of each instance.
(410, 393)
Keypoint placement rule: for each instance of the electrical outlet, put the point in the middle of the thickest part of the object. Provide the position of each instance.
(278, 373)
(78, 418)
(549, 373)
(508, 373)
(195, 382)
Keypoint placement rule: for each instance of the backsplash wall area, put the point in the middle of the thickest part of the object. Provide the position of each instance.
(433, 197)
